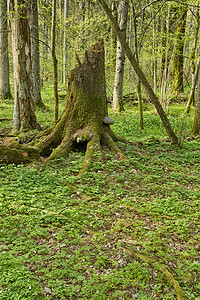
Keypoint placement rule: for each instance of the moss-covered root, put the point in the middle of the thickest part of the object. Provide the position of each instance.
(108, 141)
(164, 269)
(63, 149)
(10, 155)
(48, 142)
(92, 146)
(117, 138)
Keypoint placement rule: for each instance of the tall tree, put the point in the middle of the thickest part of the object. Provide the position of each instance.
(4, 60)
(24, 112)
(178, 50)
(138, 84)
(140, 74)
(35, 53)
(196, 123)
(65, 57)
(120, 59)
(45, 15)
(55, 62)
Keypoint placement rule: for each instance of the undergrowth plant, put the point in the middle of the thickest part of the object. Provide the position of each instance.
(127, 230)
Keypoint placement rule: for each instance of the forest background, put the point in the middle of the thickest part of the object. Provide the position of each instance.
(129, 229)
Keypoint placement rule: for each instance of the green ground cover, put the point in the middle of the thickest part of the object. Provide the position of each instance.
(112, 234)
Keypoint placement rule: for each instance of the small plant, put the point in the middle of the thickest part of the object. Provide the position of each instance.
(110, 234)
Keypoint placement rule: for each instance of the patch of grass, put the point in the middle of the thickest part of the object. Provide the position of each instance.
(108, 235)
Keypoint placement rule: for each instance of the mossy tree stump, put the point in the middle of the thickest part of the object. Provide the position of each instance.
(85, 118)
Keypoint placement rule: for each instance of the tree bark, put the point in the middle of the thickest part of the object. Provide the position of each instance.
(35, 53)
(196, 122)
(55, 62)
(24, 111)
(4, 60)
(138, 85)
(65, 56)
(113, 41)
(140, 74)
(85, 121)
(178, 52)
(192, 92)
(120, 59)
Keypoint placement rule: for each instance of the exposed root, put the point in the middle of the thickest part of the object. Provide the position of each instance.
(92, 146)
(63, 149)
(164, 269)
(108, 141)
(53, 138)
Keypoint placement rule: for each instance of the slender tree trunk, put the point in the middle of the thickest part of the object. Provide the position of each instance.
(196, 122)
(194, 83)
(113, 41)
(155, 46)
(178, 52)
(55, 62)
(35, 53)
(4, 60)
(193, 59)
(140, 74)
(65, 57)
(120, 59)
(167, 50)
(24, 112)
(138, 86)
(163, 46)
(45, 50)
(61, 40)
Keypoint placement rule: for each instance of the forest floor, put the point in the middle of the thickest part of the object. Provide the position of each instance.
(124, 231)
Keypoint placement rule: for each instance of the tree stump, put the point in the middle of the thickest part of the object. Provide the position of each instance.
(85, 118)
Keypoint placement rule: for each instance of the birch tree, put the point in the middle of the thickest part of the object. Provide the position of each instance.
(120, 59)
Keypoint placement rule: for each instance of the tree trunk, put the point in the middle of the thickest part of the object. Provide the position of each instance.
(138, 85)
(178, 52)
(65, 56)
(24, 112)
(196, 123)
(140, 74)
(166, 54)
(55, 62)
(113, 41)
(192, 92)
(120, 59)
(85, 121)
(4, 60)
(45, 49)
(35, 53)
(155, 49)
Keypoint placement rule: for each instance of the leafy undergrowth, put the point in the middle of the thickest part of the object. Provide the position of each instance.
(110, 234)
